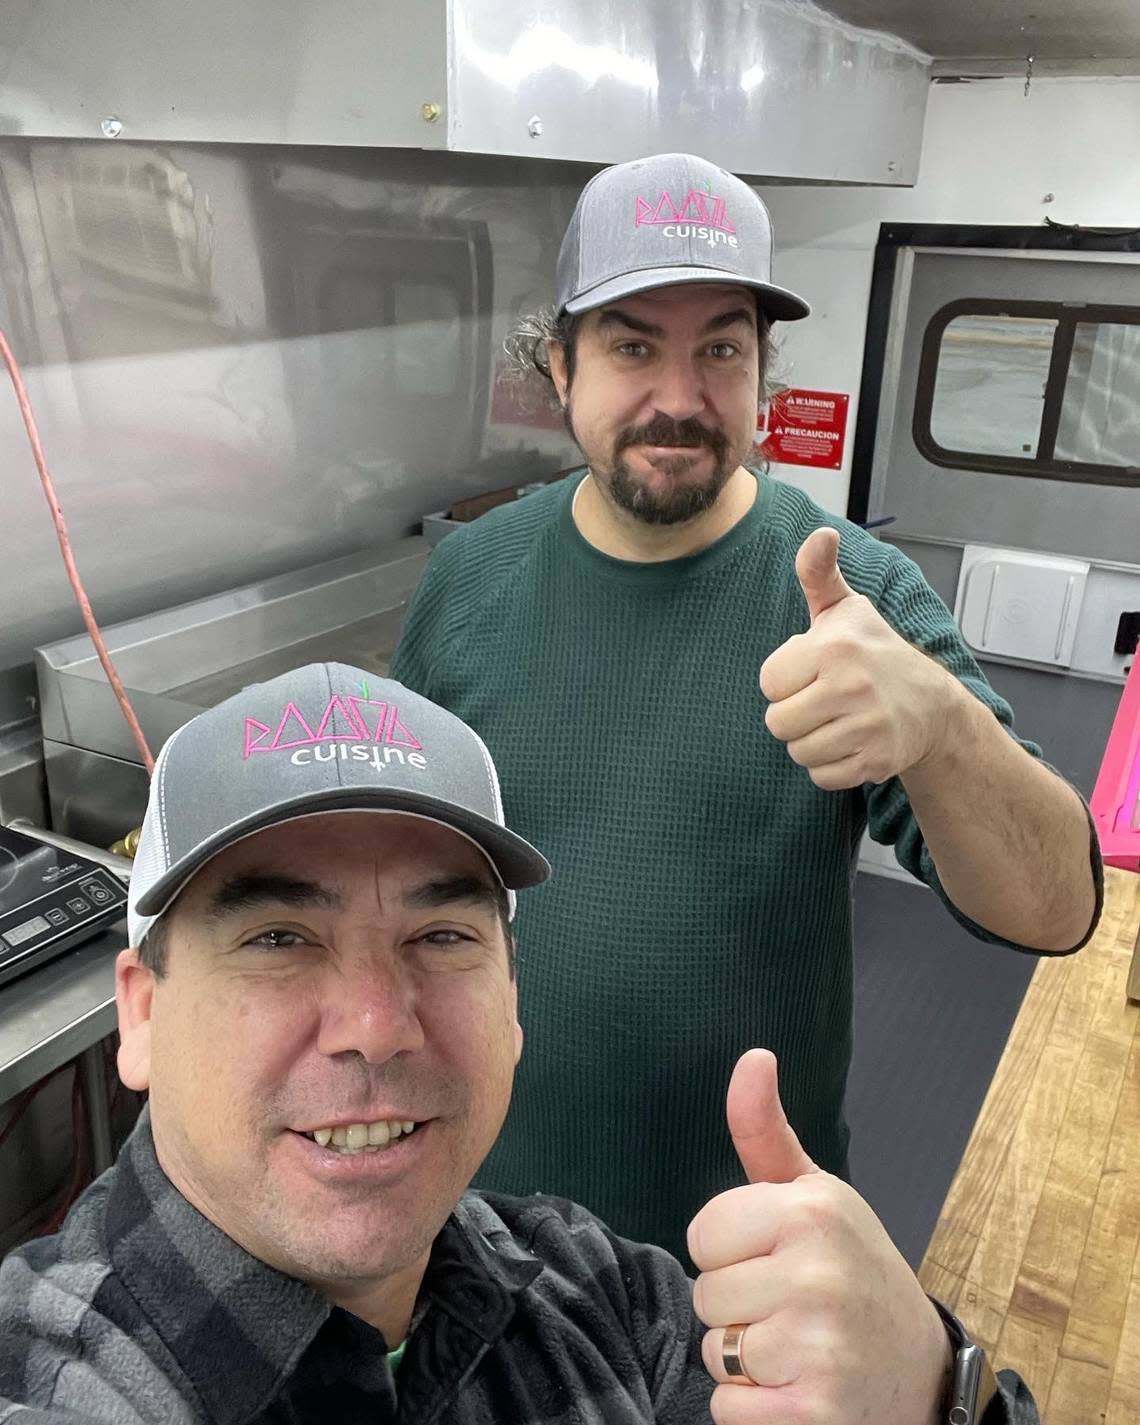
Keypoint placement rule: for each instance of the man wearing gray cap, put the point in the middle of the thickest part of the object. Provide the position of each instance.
(701, 688)
(321, 1003)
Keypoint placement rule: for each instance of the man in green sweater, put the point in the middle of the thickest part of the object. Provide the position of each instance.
(700, 688)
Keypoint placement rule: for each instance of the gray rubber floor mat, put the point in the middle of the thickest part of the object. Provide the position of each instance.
(933, 1010)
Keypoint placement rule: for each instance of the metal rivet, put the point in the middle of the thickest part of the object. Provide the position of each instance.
(430, 112)
(534, 127)
(111, 127)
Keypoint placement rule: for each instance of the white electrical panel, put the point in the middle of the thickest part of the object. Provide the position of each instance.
(1012, 603)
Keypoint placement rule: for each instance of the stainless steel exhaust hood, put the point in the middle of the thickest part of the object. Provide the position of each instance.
(769, 88)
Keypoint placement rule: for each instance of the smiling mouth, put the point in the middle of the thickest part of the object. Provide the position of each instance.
(348, 1139)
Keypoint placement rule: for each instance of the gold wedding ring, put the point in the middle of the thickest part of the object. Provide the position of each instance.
(730, 1352)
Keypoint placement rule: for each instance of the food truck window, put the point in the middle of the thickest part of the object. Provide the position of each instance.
(1031, 388)
(989, 386)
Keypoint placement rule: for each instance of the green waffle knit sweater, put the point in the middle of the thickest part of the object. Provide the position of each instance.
(701, 896)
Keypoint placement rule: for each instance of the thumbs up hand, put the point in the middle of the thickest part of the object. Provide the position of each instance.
(817, 569)
(853, 701)
(838, 1329)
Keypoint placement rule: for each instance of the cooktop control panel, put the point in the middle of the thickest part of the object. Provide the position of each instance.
(50, 901)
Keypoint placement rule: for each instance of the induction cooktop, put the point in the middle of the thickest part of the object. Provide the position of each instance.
(50, 901)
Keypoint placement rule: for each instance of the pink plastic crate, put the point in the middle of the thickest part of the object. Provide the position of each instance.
(1116, 797)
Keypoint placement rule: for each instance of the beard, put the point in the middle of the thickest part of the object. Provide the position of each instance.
(677, 503)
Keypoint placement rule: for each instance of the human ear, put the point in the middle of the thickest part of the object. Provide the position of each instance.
(134, 997)
(556, 358)
(515, 1021)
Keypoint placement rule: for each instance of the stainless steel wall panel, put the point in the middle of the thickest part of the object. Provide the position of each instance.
(250, 359)
(22, 788)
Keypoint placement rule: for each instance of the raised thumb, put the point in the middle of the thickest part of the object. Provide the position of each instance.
(817, 569)
(767, 1147)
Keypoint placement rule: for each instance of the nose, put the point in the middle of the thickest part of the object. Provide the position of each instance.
(371, 1008)
(679, 390)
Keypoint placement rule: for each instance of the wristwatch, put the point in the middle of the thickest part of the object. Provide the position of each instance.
(973, 1384)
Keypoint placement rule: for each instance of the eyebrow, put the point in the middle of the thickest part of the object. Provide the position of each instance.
(451, 891)
(614, 316)
(257, 889)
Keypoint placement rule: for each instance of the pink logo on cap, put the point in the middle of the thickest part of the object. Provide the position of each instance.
(698, 207)
(292, 729)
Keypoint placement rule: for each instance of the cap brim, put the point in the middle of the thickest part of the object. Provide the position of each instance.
(517, 862)
(777, 303)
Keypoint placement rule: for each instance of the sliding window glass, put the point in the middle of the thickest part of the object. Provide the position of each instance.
(1032, 388)
(1100, 408)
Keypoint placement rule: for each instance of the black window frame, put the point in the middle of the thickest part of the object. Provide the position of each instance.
(1044, 464)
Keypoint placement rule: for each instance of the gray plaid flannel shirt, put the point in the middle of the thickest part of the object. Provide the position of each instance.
(140, 1310)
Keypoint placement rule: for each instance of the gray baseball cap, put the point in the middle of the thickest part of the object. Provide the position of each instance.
(658, 221)
(319, 739)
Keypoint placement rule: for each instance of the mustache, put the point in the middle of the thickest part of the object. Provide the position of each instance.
(662, 430)
(356, 1087)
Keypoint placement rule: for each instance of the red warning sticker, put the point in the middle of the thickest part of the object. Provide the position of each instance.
(801, 427)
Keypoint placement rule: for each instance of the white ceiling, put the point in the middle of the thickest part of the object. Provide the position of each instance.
(996, 36)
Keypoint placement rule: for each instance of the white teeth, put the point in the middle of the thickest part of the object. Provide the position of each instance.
(363, 1137)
